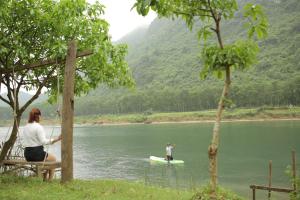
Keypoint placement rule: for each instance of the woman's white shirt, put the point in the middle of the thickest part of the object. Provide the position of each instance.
(34, 135)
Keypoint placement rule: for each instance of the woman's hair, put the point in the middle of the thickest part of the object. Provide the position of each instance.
(34, 115)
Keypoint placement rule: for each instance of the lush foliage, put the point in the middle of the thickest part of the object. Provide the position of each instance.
(294, 180)
(257, 22)
(187, 9)
(32, 31)
(240, 55)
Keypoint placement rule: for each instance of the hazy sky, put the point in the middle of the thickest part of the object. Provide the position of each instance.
(121, 18)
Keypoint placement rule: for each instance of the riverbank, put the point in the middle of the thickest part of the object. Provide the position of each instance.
(207, 116)
(29, 188)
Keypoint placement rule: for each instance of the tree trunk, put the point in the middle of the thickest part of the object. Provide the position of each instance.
(213, 147)
(12, 139)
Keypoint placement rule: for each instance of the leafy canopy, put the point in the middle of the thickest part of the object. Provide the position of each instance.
(240, 55)
(32, 30)
(188, 10)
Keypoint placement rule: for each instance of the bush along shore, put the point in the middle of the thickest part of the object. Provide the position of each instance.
(30, 188)
(263, 113)
(148, 117)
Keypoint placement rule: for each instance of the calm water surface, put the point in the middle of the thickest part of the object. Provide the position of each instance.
(122, 152)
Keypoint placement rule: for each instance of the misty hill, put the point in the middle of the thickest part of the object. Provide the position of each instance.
(23, 98)
(6, 112)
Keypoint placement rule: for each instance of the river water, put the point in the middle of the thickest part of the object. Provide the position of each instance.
(122, 152)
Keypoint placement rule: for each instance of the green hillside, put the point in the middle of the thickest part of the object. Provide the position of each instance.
(168, 53)
(164, 59)
(165, 63)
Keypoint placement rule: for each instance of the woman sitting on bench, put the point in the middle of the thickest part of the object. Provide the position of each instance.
(34, 137)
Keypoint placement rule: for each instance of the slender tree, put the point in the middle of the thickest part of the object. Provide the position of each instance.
(33, 42)
(218, 58)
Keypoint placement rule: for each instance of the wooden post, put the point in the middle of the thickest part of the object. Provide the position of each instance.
(67, 115)
(270, 178)
(294, 170)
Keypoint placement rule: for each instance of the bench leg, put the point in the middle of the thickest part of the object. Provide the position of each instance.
(253, 193)
(38, 171)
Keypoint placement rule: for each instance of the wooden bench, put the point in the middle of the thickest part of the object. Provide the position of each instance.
(37, 167)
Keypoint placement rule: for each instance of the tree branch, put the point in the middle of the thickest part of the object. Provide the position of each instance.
(9, 90)
(43, 63)
(0, 82)
(217, 19)
(18, 88)
(190, 14)
(38, 92)
(194, 12)
(213, 29)
(211, 11)
(21, 82)
(4, 100)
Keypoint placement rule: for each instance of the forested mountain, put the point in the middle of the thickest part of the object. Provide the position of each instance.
(164, 59)
(165, 63)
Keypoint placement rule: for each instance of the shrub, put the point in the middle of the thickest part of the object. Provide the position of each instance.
(222, 194)
(148, 112)
(296, 194)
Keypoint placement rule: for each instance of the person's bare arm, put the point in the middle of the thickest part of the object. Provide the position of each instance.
(56, 139)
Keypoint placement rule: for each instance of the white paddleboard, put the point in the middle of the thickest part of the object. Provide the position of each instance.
(163, 160)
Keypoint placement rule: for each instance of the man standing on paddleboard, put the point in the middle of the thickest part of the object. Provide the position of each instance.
(169, 151)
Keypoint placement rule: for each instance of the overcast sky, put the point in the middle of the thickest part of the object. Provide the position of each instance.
(121, 18)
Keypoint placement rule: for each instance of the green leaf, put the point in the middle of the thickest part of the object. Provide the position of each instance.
(256, 20)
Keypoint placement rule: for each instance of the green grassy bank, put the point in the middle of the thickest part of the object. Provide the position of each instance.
(34, 189)
(28, 188)
(262, 113)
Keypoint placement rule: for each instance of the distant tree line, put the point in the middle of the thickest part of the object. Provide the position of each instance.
(254, 94)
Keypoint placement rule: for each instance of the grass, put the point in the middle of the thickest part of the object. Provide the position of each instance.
(30, 188)
(22, 188)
